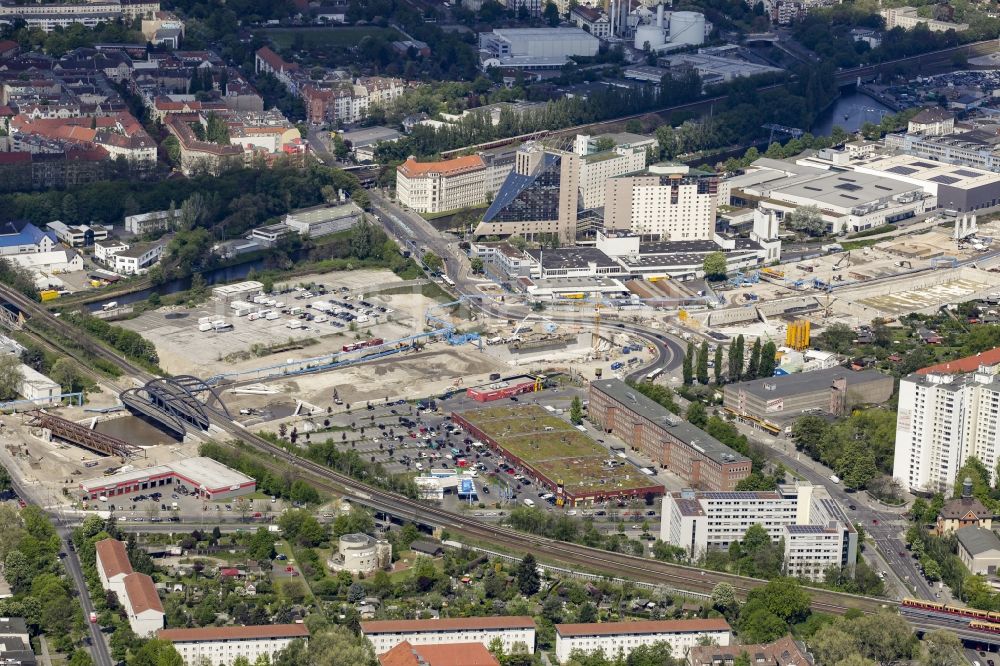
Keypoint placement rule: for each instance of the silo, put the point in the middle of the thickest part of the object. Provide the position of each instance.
(649, 33)
(687, 28)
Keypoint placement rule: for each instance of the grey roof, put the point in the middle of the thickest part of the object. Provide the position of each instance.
(573, 257)
(370, 135)
(424, 546)
(13, 625)
(846, 189)
(961, 507)
(677, 427)
(805, 382)
(932, 114)
(976, 540)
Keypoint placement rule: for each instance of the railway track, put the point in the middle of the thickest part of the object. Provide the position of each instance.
(599, 561)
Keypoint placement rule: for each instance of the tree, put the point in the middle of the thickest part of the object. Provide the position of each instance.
(157, 652)
(941, 648)
(724, 597)
(838, 338)
(807, 220)
(717, 365)
(714, 266)
(260, 545)
(336, 645)
(856, 466)
(703, 363)
(576, 411)
(172, 149)
(476, 264)
(551, 14)
(64, 373)
(361, 198)
(587, 613)
(696, 414)
(753, 367)
(11, 376)
(433, 262)
(736, 353)
(768, 360)
(688, 366)
(527, 576)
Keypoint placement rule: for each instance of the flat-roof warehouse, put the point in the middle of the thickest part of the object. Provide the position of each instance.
(208, 478)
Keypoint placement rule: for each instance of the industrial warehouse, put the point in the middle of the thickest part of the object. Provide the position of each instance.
(205, 477)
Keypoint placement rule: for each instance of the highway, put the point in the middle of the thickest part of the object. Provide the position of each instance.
(547, 550)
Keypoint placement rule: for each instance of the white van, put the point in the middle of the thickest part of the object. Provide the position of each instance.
(529, 502)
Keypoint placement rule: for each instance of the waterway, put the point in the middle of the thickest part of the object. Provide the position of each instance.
(134, 430)
(216, 276)
(851, 110)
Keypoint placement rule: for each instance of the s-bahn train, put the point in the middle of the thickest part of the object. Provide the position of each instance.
(937, 607)
(979, 625)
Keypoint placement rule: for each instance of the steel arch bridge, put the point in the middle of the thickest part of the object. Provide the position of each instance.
(175, 402)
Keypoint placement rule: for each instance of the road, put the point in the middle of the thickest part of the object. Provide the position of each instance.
(98, 648)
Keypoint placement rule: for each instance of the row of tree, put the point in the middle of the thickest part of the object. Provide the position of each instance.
(761, 363)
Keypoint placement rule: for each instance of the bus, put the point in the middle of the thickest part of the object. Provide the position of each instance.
(448, 281)
(654, 374)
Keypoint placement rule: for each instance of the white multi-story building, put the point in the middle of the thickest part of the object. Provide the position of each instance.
(908, 18)
(597, 168)
(534, 48)
(223, 645)
(942, 420)
(514, 632)
(325, 219)
(38, 388)
(435, 187)
(157, 220)
(620, 638)
(667, 202)
(703, 521)
(137, 258)
(113, 565)
(142, 605)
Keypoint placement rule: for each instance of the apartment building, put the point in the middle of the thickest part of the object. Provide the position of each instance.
(514, 632)
(435, 187)
(667, 202)
(137, 259)
(597, 167)
(620, 638)
(816, 532)
(672, 443)
(942, 420)
(223, 645)
(908, 18)
(112, 565)
(157, 220)
(142, 605)
(538, 198)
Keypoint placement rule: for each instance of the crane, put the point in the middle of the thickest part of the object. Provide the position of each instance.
(597, 323)
(844, 257)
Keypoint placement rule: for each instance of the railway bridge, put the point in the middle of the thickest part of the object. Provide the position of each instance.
(175, 403)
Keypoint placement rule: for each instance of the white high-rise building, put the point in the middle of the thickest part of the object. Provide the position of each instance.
(667, 202)
(943, 420)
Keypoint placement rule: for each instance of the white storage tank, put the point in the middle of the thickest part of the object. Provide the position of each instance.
(651, 34)
(687, 28)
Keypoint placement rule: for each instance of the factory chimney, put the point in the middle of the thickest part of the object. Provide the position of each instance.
(659, 15)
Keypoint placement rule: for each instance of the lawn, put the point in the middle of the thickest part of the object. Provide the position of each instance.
(342, 37)
(561, 454)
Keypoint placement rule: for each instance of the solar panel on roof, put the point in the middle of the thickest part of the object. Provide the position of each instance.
(902, 170)
(945, 180)
(925, 165)
(965, 173)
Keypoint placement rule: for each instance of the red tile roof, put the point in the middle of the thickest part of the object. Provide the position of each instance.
(967, 364)
(448, 654)
(274, 60)
(232, 633)
(113, 557)
(413, 169)
(448, 624)
(642, 627)
(141, 593)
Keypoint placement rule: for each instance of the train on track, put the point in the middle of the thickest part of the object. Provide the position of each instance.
(364, 344)
(937, 607)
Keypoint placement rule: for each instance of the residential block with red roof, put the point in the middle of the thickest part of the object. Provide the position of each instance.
(448, 654)
(616, 638)
(223, 645)
(135, 591)
(514, 632)
(434, 187)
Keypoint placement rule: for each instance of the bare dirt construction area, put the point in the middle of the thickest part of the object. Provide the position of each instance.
(294, 329)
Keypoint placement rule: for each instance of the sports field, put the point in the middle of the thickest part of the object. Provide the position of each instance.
(556, 452)
(343, 37)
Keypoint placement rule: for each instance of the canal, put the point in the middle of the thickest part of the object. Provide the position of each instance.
(851, 110)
